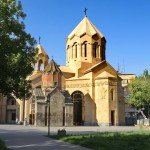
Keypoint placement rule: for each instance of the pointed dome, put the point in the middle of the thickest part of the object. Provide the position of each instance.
(85, 26)
(52, 67)
(41, 50)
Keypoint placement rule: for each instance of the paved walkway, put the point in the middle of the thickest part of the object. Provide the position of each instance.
(30, 138)
(18, 137)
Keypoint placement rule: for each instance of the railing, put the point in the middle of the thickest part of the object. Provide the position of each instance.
(144, 122)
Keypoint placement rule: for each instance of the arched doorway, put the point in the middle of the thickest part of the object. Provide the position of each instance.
(77, 98)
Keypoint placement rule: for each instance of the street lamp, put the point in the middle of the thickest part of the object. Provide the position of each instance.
(47, 100)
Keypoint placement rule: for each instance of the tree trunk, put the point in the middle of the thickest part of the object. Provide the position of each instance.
(23, 109)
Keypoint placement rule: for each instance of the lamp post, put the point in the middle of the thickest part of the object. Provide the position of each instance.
(148, 114)
(47, 100)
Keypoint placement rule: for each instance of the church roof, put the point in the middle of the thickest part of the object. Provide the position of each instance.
(85, 26)
(66, 69)
(52, 67)
(41, 50)
(106, 75)
(39, 93)
(40, 97)
(35, 75)
(98, 66)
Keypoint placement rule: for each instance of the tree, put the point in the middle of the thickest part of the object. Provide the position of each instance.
(17, 53)
(139, 89)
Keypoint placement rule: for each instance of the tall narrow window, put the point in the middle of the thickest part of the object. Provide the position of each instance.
(103, 53)
(111, 94)
(85, 49)
(95, 50)
(35, 66)
(75, 50)
(40, 65)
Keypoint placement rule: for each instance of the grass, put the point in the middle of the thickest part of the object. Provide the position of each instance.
(111, 141)
(2, 145)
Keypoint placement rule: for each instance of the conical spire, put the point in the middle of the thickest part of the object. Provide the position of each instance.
(85, 26)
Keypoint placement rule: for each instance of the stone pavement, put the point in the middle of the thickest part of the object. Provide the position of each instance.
(30, 138)
(19, 137)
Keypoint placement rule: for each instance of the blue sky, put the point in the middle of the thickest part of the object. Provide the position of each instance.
(124, 23)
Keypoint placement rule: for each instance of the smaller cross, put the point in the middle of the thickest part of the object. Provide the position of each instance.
(39, 40)
(85, 11)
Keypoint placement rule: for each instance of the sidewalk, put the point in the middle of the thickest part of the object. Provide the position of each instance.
(27, 138)
(19, 137)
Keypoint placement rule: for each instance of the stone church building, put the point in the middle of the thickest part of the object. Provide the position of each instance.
(86, 91)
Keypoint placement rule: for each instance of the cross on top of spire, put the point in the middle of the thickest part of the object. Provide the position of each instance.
(85, 11)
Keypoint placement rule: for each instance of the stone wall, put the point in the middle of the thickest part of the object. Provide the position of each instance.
(57, 106)
(69, 114)
(61, 114)
(40, 115)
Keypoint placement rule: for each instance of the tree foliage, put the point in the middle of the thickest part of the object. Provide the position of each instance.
(139, 90)
(17, 51)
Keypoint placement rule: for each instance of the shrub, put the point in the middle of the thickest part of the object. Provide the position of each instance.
(2, 145)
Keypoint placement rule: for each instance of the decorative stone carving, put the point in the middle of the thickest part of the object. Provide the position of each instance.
(86, 85)
(103, 92)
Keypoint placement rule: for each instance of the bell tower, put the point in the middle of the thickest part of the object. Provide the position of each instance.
(85, 44)
(42, 59)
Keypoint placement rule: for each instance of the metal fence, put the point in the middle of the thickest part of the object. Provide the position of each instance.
(145, 122)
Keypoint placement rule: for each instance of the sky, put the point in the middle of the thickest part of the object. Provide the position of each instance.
(124, 23)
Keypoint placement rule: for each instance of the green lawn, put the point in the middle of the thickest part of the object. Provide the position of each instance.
(111, 141)
(2, 145)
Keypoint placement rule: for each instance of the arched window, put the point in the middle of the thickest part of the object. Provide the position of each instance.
(103, 52)
(40, 65)
(75, 49)
(84, 49)
(68, 46)
(35, 66)
(111, 94)
(95, 50)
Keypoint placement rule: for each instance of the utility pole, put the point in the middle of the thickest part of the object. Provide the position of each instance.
(47, 100)
(49, 118)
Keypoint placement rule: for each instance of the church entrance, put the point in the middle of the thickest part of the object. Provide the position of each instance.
(112, 117)
(77, 98)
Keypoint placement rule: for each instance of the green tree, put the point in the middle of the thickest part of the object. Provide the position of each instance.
(139, 89)
(17, 53)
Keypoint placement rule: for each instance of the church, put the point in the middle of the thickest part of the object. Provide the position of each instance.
(86, 91)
